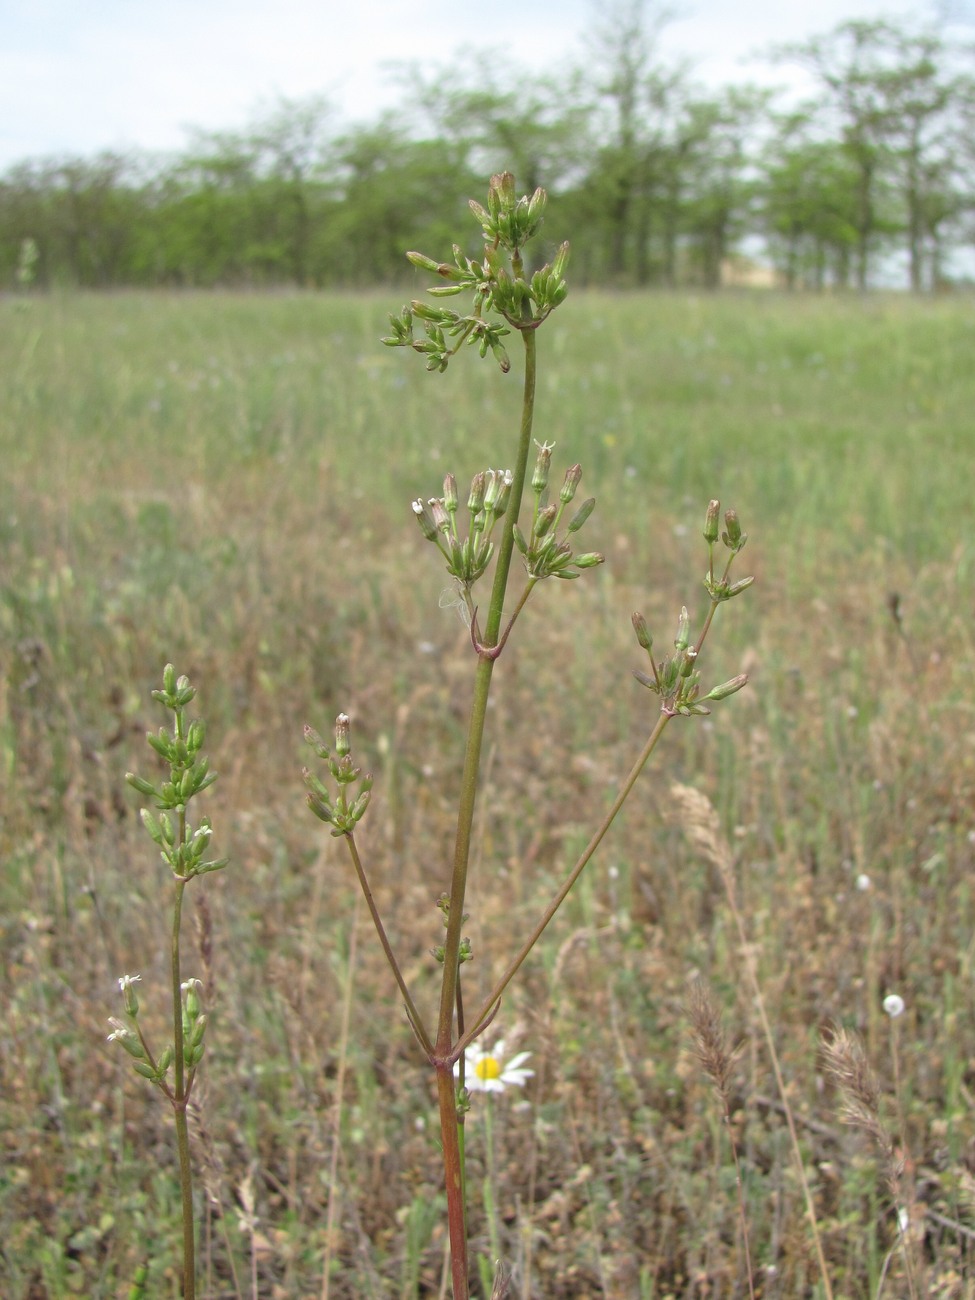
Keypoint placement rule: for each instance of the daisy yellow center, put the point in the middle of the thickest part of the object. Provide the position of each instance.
(487, 1068)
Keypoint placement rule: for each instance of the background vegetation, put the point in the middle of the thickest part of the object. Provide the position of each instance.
(659, 179)
(224, 481)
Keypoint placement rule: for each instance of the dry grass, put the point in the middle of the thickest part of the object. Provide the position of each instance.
(248, 531)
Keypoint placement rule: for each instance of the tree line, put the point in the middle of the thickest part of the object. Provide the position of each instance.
(660, 181)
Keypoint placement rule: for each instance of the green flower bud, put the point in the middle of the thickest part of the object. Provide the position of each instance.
(582, 514)
(422, 262)
(143, 786)
(342, 737)
(642, 632)
(682, 640)
(733, 538)
(502, 189)
(191, 993)
(727, 688)
(540, 473)
(162, 744)
(450, 494)
(544, 520)
(711, 522)
(152, 827)
(589, 560)
(475, 502)
(497, 480)
(129, 998)
(314, 739)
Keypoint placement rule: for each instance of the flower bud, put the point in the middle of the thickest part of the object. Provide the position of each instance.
(425, 520)
(125, 983)
(441, 519)
(733, 538)
(572, 476)
(342, 730)
(475, 502)
(545, 520)
(502, 190)
(642, 631)
(423, 262)
(504, 493)
(191, 992)
(727, 688)
(450, 494)
(711, 522)
(540, 474)
(582, 514)
(682, 640)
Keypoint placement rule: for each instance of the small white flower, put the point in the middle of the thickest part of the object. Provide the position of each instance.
(126, 981)
(120, 1031)
(488, 1071)
(894, 1005)
(863, 882)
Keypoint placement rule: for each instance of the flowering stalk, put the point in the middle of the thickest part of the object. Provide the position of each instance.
(183, 850)
(504, 300)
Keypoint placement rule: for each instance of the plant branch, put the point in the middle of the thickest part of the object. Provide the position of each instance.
(414, 1016)
(490, 1003)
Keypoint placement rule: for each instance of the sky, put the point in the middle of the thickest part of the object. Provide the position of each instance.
(79, 76)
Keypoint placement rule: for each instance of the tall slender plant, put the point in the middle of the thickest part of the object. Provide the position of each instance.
(506, 300)
(184, 850)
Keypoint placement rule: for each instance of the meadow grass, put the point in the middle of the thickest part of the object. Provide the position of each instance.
(224, 482)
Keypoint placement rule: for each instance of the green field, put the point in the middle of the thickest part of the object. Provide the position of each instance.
(224, 481)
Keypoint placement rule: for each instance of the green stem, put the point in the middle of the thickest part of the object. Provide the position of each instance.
(445, 1053)
(491, 1002)
(181, 1096)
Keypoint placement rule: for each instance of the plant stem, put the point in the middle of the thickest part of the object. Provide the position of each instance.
(445, 1053)
(180, 1095)
(411, 1011)
(453, 1180)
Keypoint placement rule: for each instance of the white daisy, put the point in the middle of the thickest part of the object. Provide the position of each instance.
(489, 1071)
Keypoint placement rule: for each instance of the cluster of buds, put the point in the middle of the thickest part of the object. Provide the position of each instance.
(441, 324)
(128, 1034)
(546, 555)
(676, 679)
(189, 773)
(345, 809)
(508, 220)
(497, 283)
(468, 557)
(734, 540)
